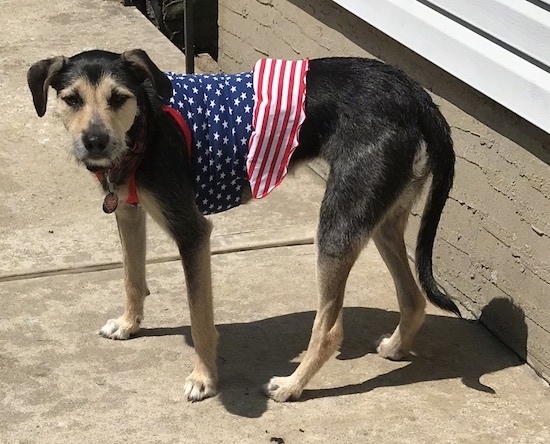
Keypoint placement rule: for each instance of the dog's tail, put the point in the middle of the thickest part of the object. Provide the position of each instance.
(441, 158)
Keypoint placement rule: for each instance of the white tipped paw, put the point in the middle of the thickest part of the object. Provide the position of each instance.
(390, 349)
(281, 389)
(118, 329)
(199, 388)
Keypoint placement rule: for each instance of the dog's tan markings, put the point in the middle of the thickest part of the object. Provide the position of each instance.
(95, 107)
(118, 120)
(77, 120)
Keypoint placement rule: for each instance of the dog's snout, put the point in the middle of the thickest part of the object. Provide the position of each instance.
(95, 140)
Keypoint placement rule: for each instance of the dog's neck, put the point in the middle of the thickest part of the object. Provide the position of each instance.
(124, 170)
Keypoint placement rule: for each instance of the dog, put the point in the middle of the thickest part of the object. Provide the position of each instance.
(379, 131)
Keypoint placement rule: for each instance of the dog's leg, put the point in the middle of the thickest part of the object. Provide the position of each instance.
(337, 251)
(131, 228)
(201, 383)
(191, 232)
(391, 245)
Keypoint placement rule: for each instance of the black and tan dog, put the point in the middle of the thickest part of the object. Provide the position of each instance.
(379, 131)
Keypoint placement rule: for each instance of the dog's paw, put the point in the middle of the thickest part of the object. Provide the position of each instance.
(281, 389)
(118, 329)
(197, 388)
(390, 349)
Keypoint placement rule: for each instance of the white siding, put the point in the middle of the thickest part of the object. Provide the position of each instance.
(499, 47)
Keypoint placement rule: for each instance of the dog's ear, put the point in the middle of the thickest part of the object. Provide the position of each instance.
(39, 78)
(144, 68)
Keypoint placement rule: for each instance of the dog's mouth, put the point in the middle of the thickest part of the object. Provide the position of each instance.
(99, 161)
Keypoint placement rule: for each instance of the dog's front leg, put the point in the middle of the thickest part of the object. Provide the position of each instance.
(131, 228)
(195, 255)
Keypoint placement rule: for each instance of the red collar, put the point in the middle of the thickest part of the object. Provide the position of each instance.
(131, 161)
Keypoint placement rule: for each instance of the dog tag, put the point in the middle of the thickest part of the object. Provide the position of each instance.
(110, 202)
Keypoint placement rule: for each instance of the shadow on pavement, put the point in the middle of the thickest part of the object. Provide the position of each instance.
(250, 354)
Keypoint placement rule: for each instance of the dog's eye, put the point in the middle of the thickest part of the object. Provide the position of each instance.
(117, 100)
(73, 100)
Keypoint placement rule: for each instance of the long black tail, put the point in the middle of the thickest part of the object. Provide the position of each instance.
(439, 147)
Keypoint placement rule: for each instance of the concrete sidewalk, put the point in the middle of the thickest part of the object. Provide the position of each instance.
(60, 280)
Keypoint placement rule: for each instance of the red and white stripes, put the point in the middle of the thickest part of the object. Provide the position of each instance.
(280, 88)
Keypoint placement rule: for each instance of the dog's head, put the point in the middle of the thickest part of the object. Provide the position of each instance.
(97, 94)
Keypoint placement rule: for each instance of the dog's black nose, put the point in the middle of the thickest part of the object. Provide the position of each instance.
(95, 140)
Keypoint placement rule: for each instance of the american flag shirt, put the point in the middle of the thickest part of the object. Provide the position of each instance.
(236, 139)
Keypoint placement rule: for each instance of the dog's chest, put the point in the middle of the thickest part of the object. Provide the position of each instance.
(218, 111)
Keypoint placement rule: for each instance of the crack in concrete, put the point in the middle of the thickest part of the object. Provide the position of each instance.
(161, 260)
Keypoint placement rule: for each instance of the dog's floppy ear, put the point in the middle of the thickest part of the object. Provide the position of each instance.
(144, 68)
(39, 77)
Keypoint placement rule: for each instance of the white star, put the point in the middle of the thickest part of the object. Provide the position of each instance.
(191, 100)
(195, 90)
(223, 187)
(189, 115)
(199, 159)
(233, 89)
(205, 169)
(222, 175)
(249, 84)
(208, 87)
(225, 140)
(219, 153)
(248, 127)
(212, 103)
(224, 124)
(222, 109)
(217, 118)
(207, 113)
(247, 109)
(216, 135)
(195, 127)
(239, 79)
(199, 144)
(199, 110)
(211, 191)
(185, 86)
(218, 93)
(227, 159)
(243, 96)
(219, 196)
(236, 101)
(243, 141)
(180, 104)
(239, 120)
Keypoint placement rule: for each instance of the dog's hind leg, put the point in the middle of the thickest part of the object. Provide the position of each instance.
(131, 228)
(388, 237)
(339, 241)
